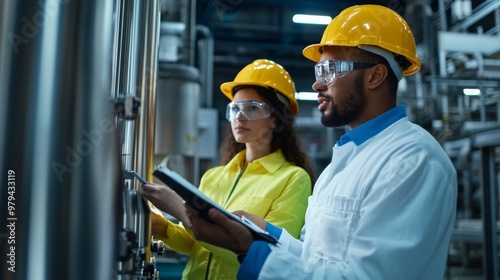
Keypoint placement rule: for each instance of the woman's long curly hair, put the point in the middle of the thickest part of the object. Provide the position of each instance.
(284, 135)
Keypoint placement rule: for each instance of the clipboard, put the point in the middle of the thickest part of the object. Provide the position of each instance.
(198, 200)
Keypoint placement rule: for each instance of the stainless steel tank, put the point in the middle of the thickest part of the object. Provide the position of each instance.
(176, 128)
(58, 141)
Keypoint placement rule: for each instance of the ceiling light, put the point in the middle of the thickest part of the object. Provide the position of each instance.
(311, 19)
(472, 91)
(304, 95)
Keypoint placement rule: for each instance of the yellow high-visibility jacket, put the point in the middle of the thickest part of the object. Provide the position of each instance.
(269, 187)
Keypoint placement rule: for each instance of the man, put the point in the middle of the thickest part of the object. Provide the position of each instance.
(384, 208)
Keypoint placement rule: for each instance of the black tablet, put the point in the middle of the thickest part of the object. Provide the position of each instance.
(198, 200)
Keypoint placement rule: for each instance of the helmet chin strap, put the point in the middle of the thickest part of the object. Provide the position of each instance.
(388, 56)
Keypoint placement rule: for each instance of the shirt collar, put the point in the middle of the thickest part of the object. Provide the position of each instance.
(372, 127)
(270, 162)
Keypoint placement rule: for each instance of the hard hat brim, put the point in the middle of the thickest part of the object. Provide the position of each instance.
(227, 90)
(311, 52)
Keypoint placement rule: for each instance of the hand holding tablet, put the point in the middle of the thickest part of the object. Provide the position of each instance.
(198, 200)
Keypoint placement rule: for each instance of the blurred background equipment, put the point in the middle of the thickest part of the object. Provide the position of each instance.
(89, 89)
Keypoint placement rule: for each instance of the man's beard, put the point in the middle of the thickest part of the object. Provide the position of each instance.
(350, 108)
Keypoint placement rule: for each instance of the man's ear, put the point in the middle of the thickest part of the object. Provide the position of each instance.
(375, 76)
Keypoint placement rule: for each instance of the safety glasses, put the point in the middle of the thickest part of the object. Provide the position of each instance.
(328, 71)
(251, 110)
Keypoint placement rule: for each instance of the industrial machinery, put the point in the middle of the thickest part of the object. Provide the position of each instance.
(134, 84)
(78, 84)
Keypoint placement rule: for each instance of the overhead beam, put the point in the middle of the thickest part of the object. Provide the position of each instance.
(468, 43)
(465, 83)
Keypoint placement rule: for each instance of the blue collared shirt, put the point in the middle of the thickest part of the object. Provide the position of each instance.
(372, 127)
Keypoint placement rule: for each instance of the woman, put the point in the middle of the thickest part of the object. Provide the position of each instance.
(263, 169)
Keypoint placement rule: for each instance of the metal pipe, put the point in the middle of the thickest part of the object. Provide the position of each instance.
(61, 143)
(442, 54)
(482, 106)
(419, 91)
(135, 75)
(206, 63)
(480, 12)
(188, 16)
(442, 15)
(124, 73)
(445, 108)
(144, 134)
(498, 108)
(488, 208)
(147, 77)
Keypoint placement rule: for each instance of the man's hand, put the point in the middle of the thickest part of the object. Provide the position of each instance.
(223, 232)
(252, 217)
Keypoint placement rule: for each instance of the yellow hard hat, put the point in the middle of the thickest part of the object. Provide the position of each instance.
(371, 25)
(265, 73)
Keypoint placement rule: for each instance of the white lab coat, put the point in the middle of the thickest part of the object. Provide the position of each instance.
(382, 210)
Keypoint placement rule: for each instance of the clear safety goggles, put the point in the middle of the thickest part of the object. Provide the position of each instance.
(328, 71)
(251, 110)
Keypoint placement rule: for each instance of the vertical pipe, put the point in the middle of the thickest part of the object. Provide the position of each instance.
(460, 105)
(442, 63)
(188, 16)
(430, 39)
(135, 76)
(445, 108)
(126, 65)
(442, 15)
(7, 16)
(206, 60)
(123, 83)
(61, 140)
(488, 207)
(147, 76)
(419, 91)
(144, 134)
(482, 106)
(498, 108)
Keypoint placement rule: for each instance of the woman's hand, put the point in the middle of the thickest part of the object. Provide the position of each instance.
(166, 200)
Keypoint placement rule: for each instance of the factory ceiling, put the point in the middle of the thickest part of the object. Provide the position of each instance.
(245, 30)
